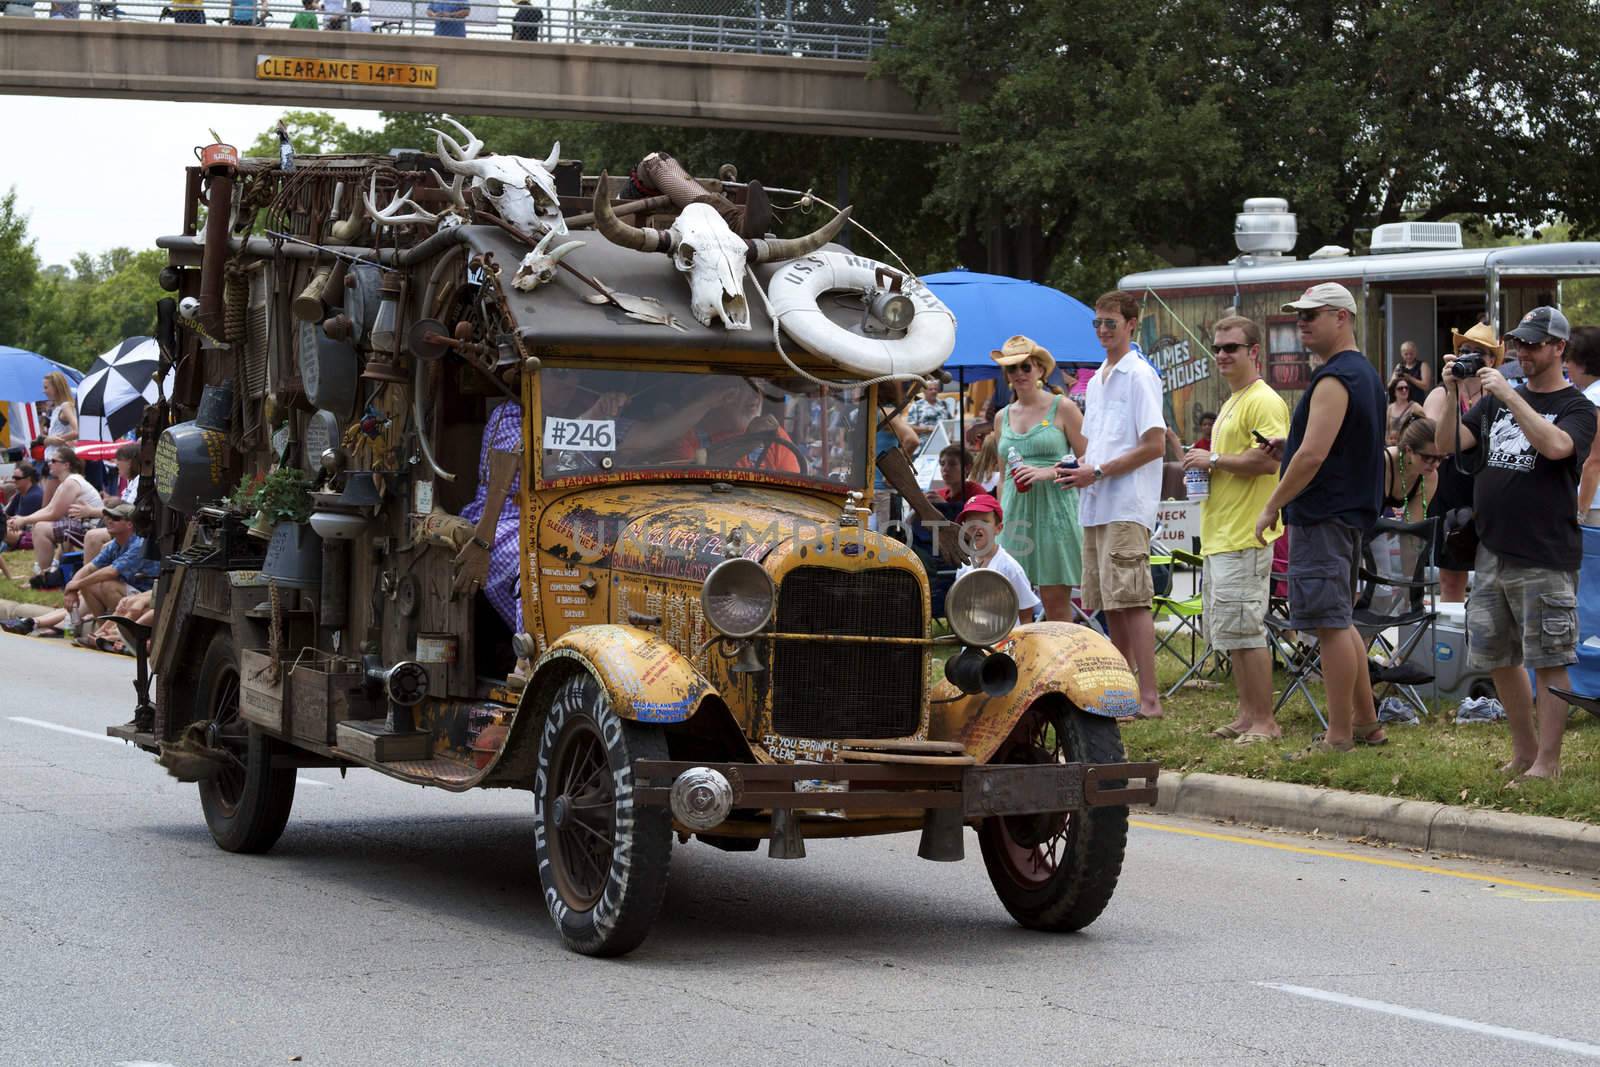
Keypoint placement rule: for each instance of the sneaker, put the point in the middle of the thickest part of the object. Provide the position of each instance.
(50, 579)
(17, 626)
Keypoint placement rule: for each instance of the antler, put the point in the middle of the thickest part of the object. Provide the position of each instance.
(390, 216)
(457, 158)
(454, 188)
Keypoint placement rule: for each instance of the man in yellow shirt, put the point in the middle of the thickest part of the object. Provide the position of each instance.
(1238, 571)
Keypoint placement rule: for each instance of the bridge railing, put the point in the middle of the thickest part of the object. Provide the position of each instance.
(763, 28)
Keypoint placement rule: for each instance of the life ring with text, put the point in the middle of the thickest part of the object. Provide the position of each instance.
(795, 289)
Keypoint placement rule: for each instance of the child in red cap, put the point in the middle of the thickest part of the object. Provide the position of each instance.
(981, 520)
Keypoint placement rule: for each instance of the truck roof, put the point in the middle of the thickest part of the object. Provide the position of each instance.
(1561, 259)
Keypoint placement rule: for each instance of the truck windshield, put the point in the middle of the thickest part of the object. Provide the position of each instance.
(620, 422)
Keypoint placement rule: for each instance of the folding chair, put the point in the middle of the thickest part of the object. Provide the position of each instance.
(1187, 614)
(1296, 651)
(1397, 594)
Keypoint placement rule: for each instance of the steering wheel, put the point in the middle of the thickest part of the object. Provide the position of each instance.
(727, 452)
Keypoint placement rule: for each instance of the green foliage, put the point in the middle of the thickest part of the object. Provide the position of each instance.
(19, 273)
(311, 132)
(283, 495)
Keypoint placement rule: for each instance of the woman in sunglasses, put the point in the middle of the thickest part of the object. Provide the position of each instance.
(1402, 405)
(1411, 470)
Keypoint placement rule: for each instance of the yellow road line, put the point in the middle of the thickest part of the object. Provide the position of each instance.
(1373, 860)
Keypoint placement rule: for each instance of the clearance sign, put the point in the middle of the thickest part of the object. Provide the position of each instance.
(347, 71)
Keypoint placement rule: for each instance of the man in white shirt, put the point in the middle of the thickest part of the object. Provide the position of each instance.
(1119, 483)
(981, 521)
(1583, 370)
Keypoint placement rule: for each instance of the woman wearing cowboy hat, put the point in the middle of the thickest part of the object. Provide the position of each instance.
(1455, 484)
(1042, 531)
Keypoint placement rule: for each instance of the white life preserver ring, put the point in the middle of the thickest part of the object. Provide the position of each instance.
(794, 290)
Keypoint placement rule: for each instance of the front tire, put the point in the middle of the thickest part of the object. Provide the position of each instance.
(247, 805)
(1057, 871)
(602, 858)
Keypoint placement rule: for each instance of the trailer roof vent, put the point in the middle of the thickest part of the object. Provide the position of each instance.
(1416, 237)
(1265, 227)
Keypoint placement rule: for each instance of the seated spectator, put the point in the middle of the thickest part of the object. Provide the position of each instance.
(525, 24)
(140, 607)
(449, 17)
(306, 18)
(954, 463)
(981, 521)
(28, 498)
(119, 571)
(359, 20)
(1208, 419)
(53, 523)
(927, 411)
(126, 486)
(1402, 405)
(985, 470)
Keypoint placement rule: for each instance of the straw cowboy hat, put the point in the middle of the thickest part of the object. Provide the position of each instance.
(1018, 348)
(1480, 336)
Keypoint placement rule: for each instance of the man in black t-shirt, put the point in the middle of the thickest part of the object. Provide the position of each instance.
(1524, 607)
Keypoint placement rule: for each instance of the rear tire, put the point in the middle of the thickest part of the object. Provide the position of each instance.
(247, 806)
(602, 857)
(1057, 871)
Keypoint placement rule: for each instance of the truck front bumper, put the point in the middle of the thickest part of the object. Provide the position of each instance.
(977, 792)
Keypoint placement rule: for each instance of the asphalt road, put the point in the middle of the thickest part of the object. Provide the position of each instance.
(396, 925)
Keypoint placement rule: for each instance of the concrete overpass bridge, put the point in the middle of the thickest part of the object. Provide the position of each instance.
(779, 81)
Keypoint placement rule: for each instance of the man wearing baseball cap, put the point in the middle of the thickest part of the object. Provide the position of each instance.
(1330, 506)
(1523, 607)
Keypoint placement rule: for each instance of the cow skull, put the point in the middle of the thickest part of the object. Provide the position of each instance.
(539, 266)
(703, 246)
(522, 190)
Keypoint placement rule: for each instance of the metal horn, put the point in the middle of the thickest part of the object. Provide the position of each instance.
(773, 249)
(621, 233)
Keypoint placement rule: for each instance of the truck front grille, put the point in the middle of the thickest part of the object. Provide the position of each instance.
(827, 690)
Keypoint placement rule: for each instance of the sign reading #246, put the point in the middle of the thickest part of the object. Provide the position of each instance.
(346, 71)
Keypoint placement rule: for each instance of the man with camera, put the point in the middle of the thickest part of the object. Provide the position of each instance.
(1523, 608)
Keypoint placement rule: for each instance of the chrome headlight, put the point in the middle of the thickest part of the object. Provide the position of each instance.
(981, 607)
(737, 598)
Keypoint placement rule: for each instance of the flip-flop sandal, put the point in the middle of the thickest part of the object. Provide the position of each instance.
(1256, 739)
(1226, 733)
(48, 631)
(1362, 735)
(1320, 743)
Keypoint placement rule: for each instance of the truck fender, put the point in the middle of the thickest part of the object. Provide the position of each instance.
(1053, 658)
(647, 679)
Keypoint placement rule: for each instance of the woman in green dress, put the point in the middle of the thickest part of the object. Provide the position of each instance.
(1041, 519)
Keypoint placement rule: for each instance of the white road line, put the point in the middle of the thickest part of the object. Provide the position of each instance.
(74, 731)
(1560, 1044)
(91, 735)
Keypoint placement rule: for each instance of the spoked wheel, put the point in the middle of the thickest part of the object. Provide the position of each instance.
(1057, 871)
(247, 805)
(602, 859)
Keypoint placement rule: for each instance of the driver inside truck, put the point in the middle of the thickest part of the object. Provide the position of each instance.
(734, 417)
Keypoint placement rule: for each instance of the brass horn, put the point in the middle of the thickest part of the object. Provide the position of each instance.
(621, 233)
(773, 249)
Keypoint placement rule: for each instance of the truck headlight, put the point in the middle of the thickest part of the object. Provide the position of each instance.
(737, 598)
(981, 607)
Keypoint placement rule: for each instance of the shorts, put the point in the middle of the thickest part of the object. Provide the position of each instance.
(1324, 567)
(1116, 567)
(1234, 597)
(1521, 615)
(69, 532)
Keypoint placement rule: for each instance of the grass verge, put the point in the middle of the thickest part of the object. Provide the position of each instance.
(20, 566)
(1436, 760)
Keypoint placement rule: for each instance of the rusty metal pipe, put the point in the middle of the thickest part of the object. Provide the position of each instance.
(219, 207)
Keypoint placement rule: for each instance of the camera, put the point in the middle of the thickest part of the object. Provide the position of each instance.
(1467, 365)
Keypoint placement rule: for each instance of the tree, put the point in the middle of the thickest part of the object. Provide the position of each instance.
(1092, 130)
(19, 272)
(311, 133)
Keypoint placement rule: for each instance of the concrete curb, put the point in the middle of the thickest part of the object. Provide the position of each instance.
(1494, 835)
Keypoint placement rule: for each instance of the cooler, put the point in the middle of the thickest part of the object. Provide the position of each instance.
(1448, 660)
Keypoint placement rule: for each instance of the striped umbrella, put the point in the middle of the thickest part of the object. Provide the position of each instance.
(113, 395)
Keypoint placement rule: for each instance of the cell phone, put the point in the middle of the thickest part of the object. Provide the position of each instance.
(1262, 440)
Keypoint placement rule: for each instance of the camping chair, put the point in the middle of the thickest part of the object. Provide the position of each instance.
(1397, 595)
(1584, 676)
(1187, 614)
(1296, 651)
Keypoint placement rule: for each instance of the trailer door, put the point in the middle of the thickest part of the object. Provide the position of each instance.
(1409, 317)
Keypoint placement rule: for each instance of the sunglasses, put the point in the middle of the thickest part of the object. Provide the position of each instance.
(1105, 324)
(1528, 346)
(1024, 367)
(1430, 457)
(1310, 314)
(1231, 347)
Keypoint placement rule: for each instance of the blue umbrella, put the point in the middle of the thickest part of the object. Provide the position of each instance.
(22, 374)
(990, 307)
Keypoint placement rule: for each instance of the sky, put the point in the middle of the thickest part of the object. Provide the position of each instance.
(95, 174)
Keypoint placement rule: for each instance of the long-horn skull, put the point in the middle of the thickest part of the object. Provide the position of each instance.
(521, 190)
(703, 247)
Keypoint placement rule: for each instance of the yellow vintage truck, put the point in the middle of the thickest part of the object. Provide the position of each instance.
(480, 472)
